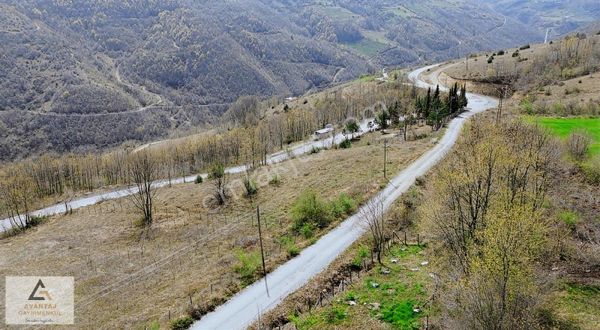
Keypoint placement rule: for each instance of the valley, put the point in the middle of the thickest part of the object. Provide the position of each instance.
(286, 164)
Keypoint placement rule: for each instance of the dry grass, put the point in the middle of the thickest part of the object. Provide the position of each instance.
(123, 281)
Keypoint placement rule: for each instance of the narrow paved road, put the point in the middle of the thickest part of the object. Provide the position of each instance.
(245, 307)
(298, 150)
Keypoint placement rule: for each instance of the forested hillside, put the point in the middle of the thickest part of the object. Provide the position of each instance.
(114, 71)
(557, 16)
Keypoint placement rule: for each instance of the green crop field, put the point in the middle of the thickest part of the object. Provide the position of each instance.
(562, 127)
(367, 47)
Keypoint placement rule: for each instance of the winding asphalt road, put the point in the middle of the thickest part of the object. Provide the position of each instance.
(245, 307)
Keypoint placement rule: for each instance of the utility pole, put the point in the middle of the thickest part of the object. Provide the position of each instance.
(262, 253)
(385, 142)
(501, 103)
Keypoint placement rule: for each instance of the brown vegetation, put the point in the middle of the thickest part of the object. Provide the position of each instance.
(192, 252)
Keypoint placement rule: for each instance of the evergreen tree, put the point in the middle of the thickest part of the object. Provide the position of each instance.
(427, 103)
(462, 100)
(382, 119)
(395, 113)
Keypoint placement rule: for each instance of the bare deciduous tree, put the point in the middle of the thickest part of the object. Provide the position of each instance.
(579, 144)
(16, 194)
(143, 170)
(374, 217)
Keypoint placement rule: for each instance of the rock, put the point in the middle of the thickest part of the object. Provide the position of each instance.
(416, 269)
(352, 303)
(425, 263)
(554, 268)
(374, 306)
(385, 271)
(394, 261)
(374, 284)
(417, 310)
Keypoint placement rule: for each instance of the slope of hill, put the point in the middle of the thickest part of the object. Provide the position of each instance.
(87, 68)
(559, 17)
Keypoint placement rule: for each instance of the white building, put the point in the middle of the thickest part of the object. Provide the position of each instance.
(324, 132)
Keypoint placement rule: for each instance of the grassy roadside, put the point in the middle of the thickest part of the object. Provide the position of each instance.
(392, 296)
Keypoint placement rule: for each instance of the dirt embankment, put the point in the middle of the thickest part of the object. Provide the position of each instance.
(473, 86)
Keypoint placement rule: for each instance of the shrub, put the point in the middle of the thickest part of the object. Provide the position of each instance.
(343, 205)
(501, 52)
(527, 106)
(314, 150)
(293, 251)
(515, 54)
(490, 60)
(591, 169)
(205, 307)
(289, 245)
(310, 208)
(574, 90)
(251, 188)
(346, 144)
(525, 47)
(569, 218)
(307, 230)
(363, 253)
(199, 179)
(275, 180)
(579, 144)
(182, 323)
(247, 266)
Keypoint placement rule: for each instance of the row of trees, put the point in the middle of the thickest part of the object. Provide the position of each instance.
(486, 210)
(249, 141)
(436, 110)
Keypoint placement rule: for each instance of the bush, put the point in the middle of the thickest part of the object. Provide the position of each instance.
(569, 218)
(363, 253)
(579, 144)
(275, 180)
(182, 323)
(346, 144)
(527, 106)
(307, 230)
(525, 47)
(289, 245)
(591, 169)
(314, 150)
(343, 205)
(251, 188)
(199, 179)
(248, 265)
(490, 60)
(515, 54)
(501, 52)
(293, 251)
(310, 208)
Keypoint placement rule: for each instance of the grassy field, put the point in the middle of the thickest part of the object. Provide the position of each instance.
(381, 299)
(192, 255)
(367, 47)
(579, 304)
(563, 127)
